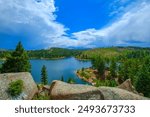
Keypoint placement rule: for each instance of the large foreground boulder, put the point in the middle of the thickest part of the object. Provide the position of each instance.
(61, 90)
(29, 86)
(64, 91)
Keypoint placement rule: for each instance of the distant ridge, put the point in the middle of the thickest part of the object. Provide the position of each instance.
(82, 48)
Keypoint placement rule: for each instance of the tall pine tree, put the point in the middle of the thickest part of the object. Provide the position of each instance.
(44, 76)
(113, 67)
(143, 81)
(99, 64)
(17, 62)
(62, 78)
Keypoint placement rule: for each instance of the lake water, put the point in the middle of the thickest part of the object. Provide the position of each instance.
(58, 68)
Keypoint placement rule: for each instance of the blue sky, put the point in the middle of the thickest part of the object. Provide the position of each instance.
(74, 23)
(83, 14)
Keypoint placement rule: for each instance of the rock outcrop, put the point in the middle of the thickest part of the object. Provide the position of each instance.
(64, 91)
(61, 90)
(29, 88)
(127, 85)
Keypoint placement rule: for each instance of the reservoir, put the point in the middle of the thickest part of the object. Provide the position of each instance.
(57, 68)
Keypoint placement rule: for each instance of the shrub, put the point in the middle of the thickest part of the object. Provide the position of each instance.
(112, 83)
(109, 83)
(71, 81)
(82, 74)
(40, 86)
(15, 88)
(41, 97)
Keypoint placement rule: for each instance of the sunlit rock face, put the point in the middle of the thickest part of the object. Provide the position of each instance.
(29, 86)
(64, 91)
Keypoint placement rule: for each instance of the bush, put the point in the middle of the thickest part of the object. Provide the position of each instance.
(15, 88)
(108, 83)
(71, 81)
(112, 83)
(41, 97)
(82, 73)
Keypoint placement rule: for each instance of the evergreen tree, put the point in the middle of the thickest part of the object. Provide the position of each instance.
(44, 76)
(147, 62)
(143, 81)
(120, 75)
(113, 67)
(62, 78)
(82, 69)
(101, 67)
(124, 71)
(99, 64)
(18, 61)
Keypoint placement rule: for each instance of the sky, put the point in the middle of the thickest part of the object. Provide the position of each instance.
(42, 24)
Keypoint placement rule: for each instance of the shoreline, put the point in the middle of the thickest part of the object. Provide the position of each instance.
(35, 58)
(83, 59)
(47, 58)
(90, 80)
(1, 59)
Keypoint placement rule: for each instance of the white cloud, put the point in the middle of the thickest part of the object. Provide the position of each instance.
(33, 18)
(37, 20)
(131, 29)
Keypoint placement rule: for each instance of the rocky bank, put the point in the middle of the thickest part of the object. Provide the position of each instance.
(59, 90)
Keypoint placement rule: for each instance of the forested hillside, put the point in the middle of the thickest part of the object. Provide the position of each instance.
(109, 52)
(52, 53)
(112, 66)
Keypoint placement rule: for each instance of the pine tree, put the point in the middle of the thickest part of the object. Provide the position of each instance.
(124, 71)
(101, 67)
(99, 64)
(18, 61)
(44, 76)
(143, 81)
(113, 69)
(62, 78)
